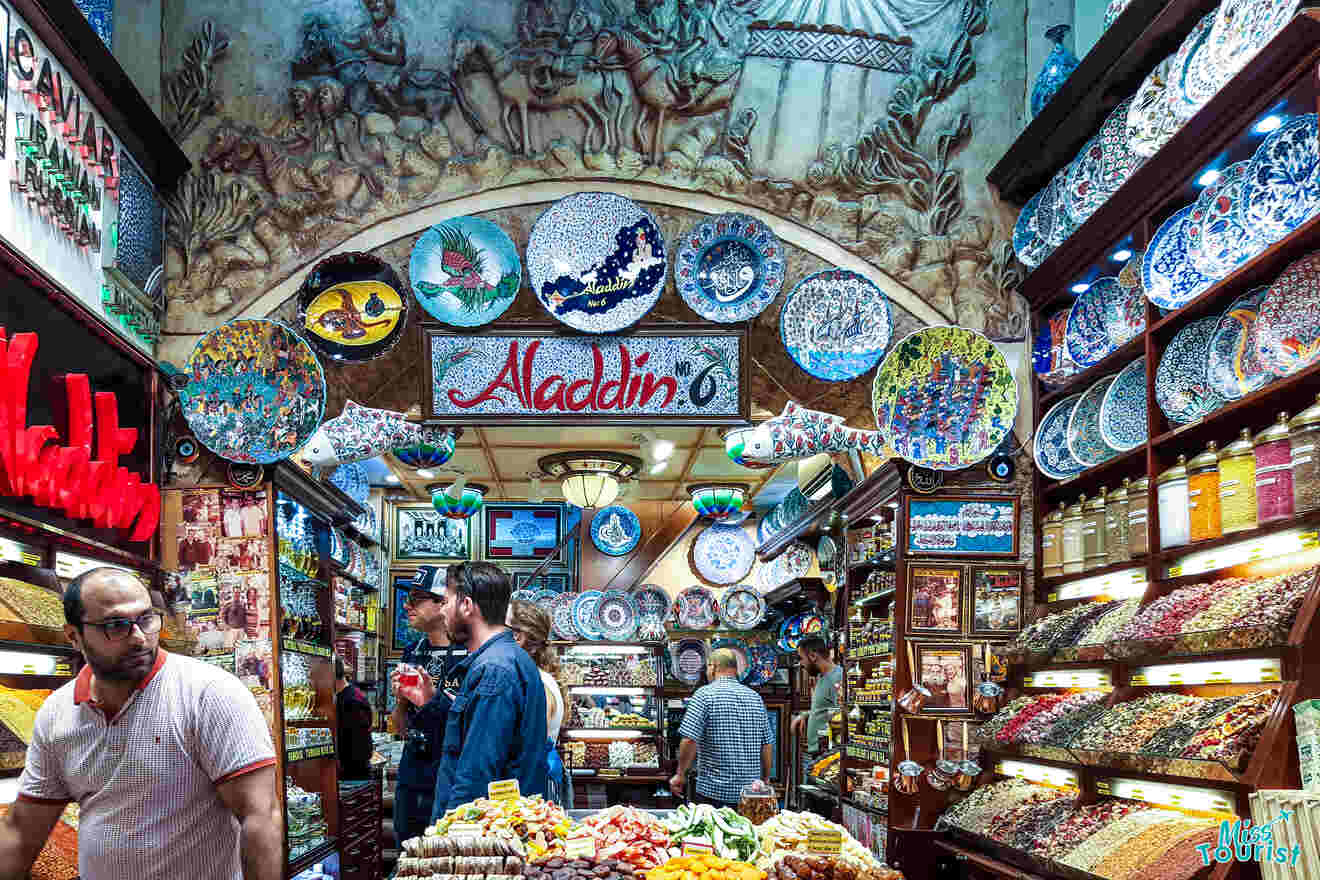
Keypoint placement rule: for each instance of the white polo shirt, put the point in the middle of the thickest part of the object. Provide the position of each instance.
(146, 779)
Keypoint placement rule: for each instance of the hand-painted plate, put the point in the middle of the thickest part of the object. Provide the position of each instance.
(763, 662)
(1030, 248)
(1167, 274)
(1216, 242)
(1123, 410)
(617, 616)
(1101, 167)
(739, 649)
(543, 596)
(688, 660)
(1129, 277)
(562, 617)
(1288, 328)
(1243, 27)
(1182, 383)
(465, 271)
(352, 480)
(696, 608)
(522, 596)
(767, 576)
(615, 530)
(1049, 351)
(1052, 222)
(1085, 441)
(652, 602)
(723, 554)
(1113, 10)
(1234, 364)
(742, 608)
(836, 324)
(729, 268)
(1183, 103)
(764, 530)
(257, 392)
(795, 561)
(1103, 318)
(1151, 122)
(352, 307)
(1050, 448)
(1282, 186)
(597, 261)
(584, 614)
(944, 398)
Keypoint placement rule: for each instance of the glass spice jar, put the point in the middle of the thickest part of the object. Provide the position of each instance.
(1116, 523)
(1073, 558)
(1171, 496)
(1094, 554)
(1305, 428)
(1203, 494)
(1237, 485)
(1051, 544)
(1274, 476)
(1139, 517)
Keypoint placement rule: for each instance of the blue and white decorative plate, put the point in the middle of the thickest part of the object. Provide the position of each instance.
(584, 614)
(561, 617)
(795, 561)
(1049, 351)
(522, 596)
(1167, 274)
(1101, 167)
(742, 608)
(597, 261)
(728, 268)
(1104, 317)
(764, 531)
(616, 616)
(652, 602)
(723, 554)
(1182, 103)
(1150, 122)
(1182, 382)
(1123, 410)
(1216, 242)
(1050, 220)
(1050, 447)
(1234, 364)
(687, 659)
(543, 596)
(465, 271)
(836, 324)
(1031, 250)
(1085, 441)
(352, 480)
(1282, 187)
(615, 530)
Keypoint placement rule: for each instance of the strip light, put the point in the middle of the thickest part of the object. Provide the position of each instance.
(33, 663)
(1057, 776)
(610, 691)
(1128, 583)
(12, 551)
(1209, 800)
(1070, 678)
(1253, 671)
(606, 734)
(1251, 550)
(579, 650)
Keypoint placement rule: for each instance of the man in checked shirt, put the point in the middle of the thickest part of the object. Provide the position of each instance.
(168, 757)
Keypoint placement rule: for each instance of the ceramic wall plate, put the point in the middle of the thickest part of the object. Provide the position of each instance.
(1101, 167)
(1049, 351)
(584, 614)
(1150, 121)
(742, 609)
(1113, 10)
(1123, 409)
(652, 602)
(617, 617)
(257, 392)
(615, 530)
(1050, 219)
(1167, 274)
(795, 561)
(1182, 105)
(688, 660)
(1217, 243)
(1130, 275)
(767, 577)
(1050, 447)
(597, 261)
(352, 307)
(352, 480)
(1103, 318)
(1282, 187)
(522, 596)
(836, 324)
(944, 398)
(1030, 248)
(540, 597)
(561, 617)
(1288, 328)
(729, 267)
(1085, 441)
(763, 662)
(465, 271)
(723, 554)
(739, 649)
(1182, 383)
(1234, 364)
(696, 608)
(1243, 27)
(764, 530)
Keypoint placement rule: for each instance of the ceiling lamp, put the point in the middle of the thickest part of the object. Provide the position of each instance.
(428, 455)
(458, 501)
(590, 479)
(735, 440)
(717, 500)
(654, 449)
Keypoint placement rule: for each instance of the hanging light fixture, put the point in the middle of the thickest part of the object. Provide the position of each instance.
(735, 441)
(432, 454)
(591, 478)
(536, 494)
(718, 500)
(457, 501)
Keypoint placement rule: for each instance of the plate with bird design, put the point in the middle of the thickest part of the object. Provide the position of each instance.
(352, 307)
(465, 271)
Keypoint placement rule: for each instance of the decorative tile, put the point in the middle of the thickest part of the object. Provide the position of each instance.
(141, 245)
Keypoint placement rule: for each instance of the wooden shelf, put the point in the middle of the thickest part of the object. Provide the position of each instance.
(1112, 363)
(1045, 586)
(876, 811)
(984, 862)
(1109, 474)
(1305, 521)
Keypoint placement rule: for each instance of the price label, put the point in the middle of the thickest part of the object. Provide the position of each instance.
(295, 755)
(503, 790)
(827, 841)
(1138, 679)
(1256, 553)
(609, 772)
(1175, 678)
(1101, 786)
(1052, 597)
(1218, 678)
(1175, 571)
(466, 829)
(694, 848)
(1269, 673)
(580, 848)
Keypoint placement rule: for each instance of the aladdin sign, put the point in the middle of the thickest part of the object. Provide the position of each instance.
(675, 375)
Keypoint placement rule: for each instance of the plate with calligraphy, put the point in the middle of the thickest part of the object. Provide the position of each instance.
(728, 268)
(352, 307)
(465, 271)
(836, 324)
(615, 530)
(256, 393)
(944, 398)
(597, 261)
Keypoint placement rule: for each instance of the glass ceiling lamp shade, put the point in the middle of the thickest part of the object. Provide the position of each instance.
(717, 500)
(458, 501)
(427, 455)
(591, 478)
(590, 490)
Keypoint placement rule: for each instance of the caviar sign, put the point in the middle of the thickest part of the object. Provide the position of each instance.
(675, 374)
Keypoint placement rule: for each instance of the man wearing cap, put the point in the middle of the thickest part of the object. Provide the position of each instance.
(421, 720)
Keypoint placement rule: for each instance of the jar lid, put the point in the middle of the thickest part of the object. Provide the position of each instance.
(1276, 431)
(1239, 447)
(1140, 485)
(1177, 472)
(947, 767)
(1075, 509)
(1056, 515)
(910, 768)
(1206, 461)
(1121, 493)
(1096, 503)
(1308, 416)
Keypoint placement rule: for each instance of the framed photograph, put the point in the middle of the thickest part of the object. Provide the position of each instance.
(560, 582)
(401, 634)
(935, 598)
(945, 669)
(422, 534)
(962, 525)
(997, 599)
(516, 531)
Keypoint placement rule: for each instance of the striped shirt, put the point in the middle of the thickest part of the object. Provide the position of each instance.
(729, 724)
(146, 779)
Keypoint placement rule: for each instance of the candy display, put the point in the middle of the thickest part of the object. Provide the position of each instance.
(629, 835)
(705, 867)
(789, 833)
(791, 867)
(731, 835)
(580, 869)
(530, 822)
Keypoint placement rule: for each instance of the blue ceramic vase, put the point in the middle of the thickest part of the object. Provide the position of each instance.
(1058, 67)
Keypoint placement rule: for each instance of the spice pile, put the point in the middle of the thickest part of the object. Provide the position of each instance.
(1064, 629)
(1223, 729)
(630, 835)
(1032, 720)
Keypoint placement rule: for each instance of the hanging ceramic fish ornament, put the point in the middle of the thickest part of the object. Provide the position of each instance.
(360, 432)
(352, 307)
(799, 432)
(1058, 67)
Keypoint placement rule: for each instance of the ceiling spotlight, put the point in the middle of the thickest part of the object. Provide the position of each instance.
(425, 473)
(1268, 124)
(591, 478)
(1121, 256)
(655, 449)
(392, 479)
(1209, 178)
(658, 467)
(1080, 288)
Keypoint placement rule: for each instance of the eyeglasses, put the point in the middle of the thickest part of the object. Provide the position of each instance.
(118, 628)
(414, 598)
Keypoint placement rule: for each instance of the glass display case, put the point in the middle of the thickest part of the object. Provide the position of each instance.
(613, 722)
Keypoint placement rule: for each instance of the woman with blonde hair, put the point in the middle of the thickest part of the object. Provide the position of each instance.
(531, 629)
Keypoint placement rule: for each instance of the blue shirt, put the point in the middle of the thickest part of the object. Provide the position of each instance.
(496, 726)
(426, 724)
(729, 724)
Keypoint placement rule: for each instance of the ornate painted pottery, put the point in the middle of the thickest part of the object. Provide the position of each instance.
(696, 608)
(1113, 10)
(1182, 105)
(465, 271)
(836, 324)
(1168, 277)
(1243, 27)
(352, 480)
(944, 398)
(1282, 186)
(597, 261)
(729, 268)
(562, 617)
(1182, 382)
(1049, 351)
(1123, 409)
(1103, 318)
(1030, 248)
(615, 530)
(1151, 122)
(652, 602)
(617, 616)
(688, 660)
(1217, 243)
(742, 608)
(540, 597)
(1234, 364)
(1085, 441)
(1101, 167)
(1050, 447)
(723, 554)
(1288, 326)
(584, 614)
(763, 662)
(1058, 66)
(1050, 220)
(352, 307)
(794, 562)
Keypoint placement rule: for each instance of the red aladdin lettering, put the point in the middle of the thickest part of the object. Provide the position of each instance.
(67, 478)
(623, 392)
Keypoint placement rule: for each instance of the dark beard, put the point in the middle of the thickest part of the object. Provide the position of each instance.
(127, 669)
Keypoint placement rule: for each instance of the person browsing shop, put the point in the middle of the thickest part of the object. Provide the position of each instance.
(353, 713)
(814, 655)
(419, 719)
(531, 630)
(727, 726)
(163, 754)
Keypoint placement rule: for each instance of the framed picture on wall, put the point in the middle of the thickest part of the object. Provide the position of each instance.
(945, 669)
(521, 531)
(559, 582)
(997, 599)
(421, 534)
(935, 598)
(962, 525)
(401, 634)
